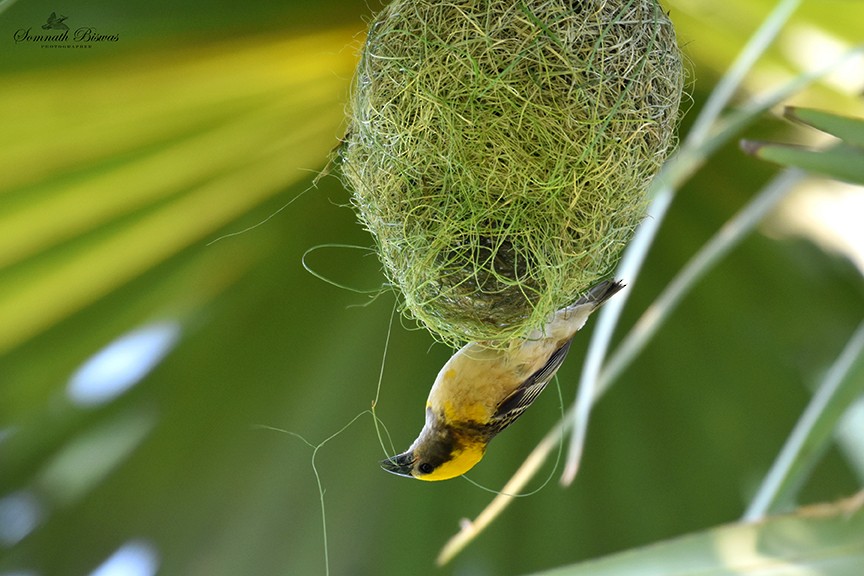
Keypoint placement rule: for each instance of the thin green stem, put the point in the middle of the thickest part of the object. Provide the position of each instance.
(632, 261)
(318, 481)
(725, 89)
(783, 472)
(387, 448)
(313, 272)
(729, 236)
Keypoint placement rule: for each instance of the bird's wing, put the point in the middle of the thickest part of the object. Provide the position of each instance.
(514, 405)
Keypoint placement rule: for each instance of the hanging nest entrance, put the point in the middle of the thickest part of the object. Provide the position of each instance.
(499, 151)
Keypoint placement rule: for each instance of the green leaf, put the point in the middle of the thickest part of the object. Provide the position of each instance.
(821, 539)
(840, 162)
(843, 161)
(149, 160)
(846, 128)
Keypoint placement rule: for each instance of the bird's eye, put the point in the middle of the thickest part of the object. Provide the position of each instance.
(426, 468)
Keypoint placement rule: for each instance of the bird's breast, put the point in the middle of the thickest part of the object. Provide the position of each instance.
(471, 390)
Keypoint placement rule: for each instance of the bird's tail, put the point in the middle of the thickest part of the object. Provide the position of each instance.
(600, 293)
(568, 320)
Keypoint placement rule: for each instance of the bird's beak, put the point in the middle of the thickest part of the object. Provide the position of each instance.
(399, 464)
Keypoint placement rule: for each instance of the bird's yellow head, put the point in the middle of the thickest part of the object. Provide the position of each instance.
(413, 465)
(440, 452)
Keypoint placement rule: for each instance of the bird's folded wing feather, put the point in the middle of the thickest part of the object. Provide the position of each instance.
(514, 405)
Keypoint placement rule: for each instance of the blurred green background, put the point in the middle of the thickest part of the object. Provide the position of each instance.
(122, 164)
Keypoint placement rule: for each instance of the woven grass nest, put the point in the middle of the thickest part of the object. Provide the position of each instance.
(499, 151)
